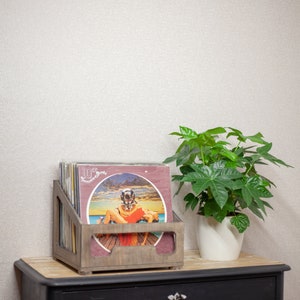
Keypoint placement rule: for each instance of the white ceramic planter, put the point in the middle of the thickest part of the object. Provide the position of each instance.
(218, 241)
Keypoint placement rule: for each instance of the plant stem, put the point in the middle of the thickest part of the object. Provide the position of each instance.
(202, 155)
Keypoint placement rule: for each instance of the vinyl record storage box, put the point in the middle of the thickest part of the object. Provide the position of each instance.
(80, 236)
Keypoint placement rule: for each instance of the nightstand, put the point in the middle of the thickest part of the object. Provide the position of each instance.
(248, 278)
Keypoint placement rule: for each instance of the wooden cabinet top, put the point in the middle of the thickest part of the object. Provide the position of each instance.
(54, 272)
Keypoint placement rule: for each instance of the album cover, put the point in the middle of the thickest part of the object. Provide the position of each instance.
(117, 193)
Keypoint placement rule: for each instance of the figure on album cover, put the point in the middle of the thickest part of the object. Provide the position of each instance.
(129, 211)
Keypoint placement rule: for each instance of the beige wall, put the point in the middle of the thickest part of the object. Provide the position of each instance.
(108, 80)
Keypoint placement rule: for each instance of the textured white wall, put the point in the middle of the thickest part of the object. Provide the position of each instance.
(108, 80)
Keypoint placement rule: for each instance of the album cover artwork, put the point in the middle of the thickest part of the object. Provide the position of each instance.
(124, 194)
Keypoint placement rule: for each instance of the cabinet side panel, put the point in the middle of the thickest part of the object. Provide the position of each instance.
(32, 290)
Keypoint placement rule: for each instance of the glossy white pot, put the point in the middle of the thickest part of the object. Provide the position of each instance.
(218, 241)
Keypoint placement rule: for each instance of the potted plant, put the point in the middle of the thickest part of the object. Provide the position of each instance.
(221, 165)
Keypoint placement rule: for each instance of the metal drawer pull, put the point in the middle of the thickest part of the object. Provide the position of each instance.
(177, 296)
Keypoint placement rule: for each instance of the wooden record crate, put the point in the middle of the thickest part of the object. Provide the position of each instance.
(79, 256)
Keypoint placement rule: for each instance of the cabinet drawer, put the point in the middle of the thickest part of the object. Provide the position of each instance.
(247, 289)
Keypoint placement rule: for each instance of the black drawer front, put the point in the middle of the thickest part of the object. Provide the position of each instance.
(247, 289)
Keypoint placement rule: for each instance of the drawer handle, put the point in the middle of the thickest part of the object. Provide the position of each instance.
(177, 296)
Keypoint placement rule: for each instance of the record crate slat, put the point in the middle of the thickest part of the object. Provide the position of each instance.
(78, 254)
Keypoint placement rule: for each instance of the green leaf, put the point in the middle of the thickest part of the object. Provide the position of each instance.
(216, 130)
(179, 188)
(200, 185)
(257, 138)
(255, 210)
(183, 156)
(267, 204)
(260, 204)
(170, 159)
(237, 133)
(177, 177)
(219, 193)
(255, 188)
(211, 208)
(264, 152)
(176, 133)
(187, 133)
(215, 177)
(240, 221)
(264, 149)
(228, 154)
(246, 194)
(191, 201)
